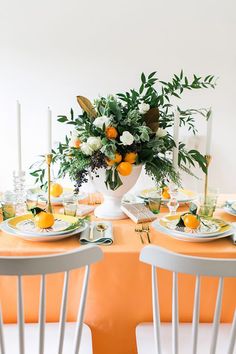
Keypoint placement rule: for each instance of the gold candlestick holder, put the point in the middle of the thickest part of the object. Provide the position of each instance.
(208, 161)
(48, 159)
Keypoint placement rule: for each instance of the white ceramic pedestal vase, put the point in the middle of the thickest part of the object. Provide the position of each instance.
(110, 208)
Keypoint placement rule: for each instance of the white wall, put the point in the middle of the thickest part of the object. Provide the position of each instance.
(53, 50)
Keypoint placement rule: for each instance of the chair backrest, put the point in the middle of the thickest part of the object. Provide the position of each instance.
(178, 263)
(42, 265)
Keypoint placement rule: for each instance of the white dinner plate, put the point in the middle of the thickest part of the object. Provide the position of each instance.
(40, 238)
(190, 237)
(184, 196)
(230, 211)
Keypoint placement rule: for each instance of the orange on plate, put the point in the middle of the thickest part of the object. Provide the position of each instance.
(44, 220)
(56, 190)
(124, 168)
(191, 221)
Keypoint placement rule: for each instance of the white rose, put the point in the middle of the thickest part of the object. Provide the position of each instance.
(86, 149)
(126, 138)
(95, 143)
(143, 108)
(161, 133)
(100, 121)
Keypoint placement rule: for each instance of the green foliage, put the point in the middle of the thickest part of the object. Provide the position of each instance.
(124, 114)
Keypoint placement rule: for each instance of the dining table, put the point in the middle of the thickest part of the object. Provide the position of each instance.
(119, 292)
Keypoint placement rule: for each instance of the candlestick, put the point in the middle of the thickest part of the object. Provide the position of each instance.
(176, 140)
(18, 125)
(48, 159)
(208, 160)
(49, 131)
(209, 134)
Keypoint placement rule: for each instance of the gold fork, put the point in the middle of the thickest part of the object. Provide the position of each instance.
(140, 234)
(146, 228)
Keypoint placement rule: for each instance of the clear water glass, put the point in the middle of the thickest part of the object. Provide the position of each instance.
(31, 201)
(70, 204)
(154, 201)
(20, 192)
(8, 205)
(207, 206)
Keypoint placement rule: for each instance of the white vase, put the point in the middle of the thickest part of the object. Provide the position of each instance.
(110, 208)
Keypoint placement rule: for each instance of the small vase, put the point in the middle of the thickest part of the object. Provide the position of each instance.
(110, 208)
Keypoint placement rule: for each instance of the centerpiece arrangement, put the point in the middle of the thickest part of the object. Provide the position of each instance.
(115, 136)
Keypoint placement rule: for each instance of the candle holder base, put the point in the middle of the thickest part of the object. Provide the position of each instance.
(20, 192)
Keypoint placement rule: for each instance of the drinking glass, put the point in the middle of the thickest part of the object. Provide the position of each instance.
(8, 204)
(70, 204)
(207, 205)
(31, 201)
(154, 201)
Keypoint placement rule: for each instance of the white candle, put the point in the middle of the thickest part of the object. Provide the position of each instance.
(49, 131)
(176, 140)
(18, 127)
(209, 134)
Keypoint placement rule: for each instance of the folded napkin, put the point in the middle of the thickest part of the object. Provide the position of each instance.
(93, 235)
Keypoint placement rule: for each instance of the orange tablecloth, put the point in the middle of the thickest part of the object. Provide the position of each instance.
(119, 294)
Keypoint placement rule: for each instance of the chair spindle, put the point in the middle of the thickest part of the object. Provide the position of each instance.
(80, 317)
(196, 314)
(175, 315)
(20, 308)
(63, 313)
(216, 320)
(42, 315)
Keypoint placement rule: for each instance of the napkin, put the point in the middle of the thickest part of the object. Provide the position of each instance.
(98, 237)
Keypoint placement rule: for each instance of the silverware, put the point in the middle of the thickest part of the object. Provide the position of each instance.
(91, 231)
(101, 228)
(147, 230)
(140, 234)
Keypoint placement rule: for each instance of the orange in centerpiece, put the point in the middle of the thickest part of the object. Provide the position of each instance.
(76, 143)
(111, 133)
(131, 157)
(117, 159)
(56, 190)
(124, 168)
(42, 219)
(191, 221)
(165, 193)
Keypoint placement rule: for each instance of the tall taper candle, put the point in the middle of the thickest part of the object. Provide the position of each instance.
(49, 131)
(209, 134)
(176, 140)
(18, 125)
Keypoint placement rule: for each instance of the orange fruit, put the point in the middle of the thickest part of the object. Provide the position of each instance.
(44, 220)
(165, 193)
(124, 168)
(117, 159)
(191, 221)
(56, 190)
(111, 133)
(131, 157)
(76, 143)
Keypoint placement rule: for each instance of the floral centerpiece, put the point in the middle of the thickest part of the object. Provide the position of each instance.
(117, 133)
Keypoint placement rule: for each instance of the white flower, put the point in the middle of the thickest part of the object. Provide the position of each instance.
(95, 143)
(74, 137)
(86, 149)
(126, 138)
(143, 108)
(161, 133)
(100, 121)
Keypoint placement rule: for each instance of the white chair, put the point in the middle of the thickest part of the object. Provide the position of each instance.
(44, 337)
(154, 338)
